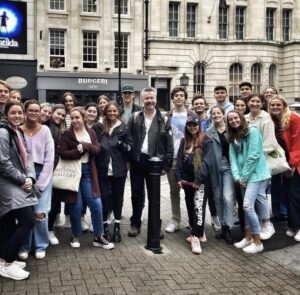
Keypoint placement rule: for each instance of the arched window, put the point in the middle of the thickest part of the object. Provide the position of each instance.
(235, 78)
(199, 78)
(272, 75)
(256, 77)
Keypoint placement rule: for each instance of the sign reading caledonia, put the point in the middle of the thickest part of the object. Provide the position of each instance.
(13, 29)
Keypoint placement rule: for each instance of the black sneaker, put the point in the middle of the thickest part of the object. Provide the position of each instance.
(99, 241)
(133, 232)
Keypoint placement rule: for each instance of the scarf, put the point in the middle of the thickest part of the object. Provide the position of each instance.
(21, 145)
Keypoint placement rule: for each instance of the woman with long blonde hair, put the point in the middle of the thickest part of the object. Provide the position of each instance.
(288, 126)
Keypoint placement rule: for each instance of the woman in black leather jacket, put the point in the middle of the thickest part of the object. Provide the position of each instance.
(112, 165)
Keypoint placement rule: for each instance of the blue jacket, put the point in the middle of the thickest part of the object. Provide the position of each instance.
(247, 158)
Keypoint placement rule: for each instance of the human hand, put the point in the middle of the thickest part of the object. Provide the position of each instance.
(242, 183)
(80, 148)
(27, 186)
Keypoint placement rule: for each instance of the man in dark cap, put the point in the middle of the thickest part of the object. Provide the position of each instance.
(128, 106)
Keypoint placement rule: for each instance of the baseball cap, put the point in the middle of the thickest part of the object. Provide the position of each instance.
(127, 88)
(192, 119)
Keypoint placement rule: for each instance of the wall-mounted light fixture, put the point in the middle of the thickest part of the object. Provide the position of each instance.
(75, 68)
(107, 69)
(139, 71)
(42, 66)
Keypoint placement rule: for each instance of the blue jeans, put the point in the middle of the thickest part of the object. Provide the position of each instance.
(38, 236)
(94, 203)
(253, 192)
(224, 195)
(279, 193)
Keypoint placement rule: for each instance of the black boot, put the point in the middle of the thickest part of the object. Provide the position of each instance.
(220, 234)
(106, 234)
(116, 233)
(227, 235)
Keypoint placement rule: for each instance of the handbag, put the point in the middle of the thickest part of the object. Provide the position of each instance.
(277, 161)
(67, 174)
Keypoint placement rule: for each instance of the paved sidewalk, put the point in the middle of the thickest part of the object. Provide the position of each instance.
(130, 269)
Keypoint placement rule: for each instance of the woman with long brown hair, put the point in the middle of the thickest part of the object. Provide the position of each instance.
(192, 171)
(249, 169)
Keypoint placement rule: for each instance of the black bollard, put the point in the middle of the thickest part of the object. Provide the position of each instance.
(153, 234)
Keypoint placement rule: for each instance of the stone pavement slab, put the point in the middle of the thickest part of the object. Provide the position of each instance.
(131, 269)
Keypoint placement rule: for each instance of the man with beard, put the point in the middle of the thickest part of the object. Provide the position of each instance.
(150, 138)
(4, 96)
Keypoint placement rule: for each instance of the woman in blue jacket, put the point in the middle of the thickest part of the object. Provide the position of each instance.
(249, 168)
(112, 165)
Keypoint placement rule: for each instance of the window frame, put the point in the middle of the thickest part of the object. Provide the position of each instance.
(174, 22)
(126, 4)
(270, 23)
(60, 46)
(286, 27)
(94, 55)
(199, 78)
(59, 3)
(116, 61)
(272, 75)
(223, 22)
(240, 22)
(256, 74)
(89, 4)
(191, 19)
(235, 78)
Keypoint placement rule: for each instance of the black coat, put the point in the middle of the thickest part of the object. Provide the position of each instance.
(115, 147)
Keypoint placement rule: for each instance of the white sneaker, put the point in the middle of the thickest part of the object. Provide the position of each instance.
(23, 255)
(253, 248)
(58, 222)
(297, 236)
(267, 231)
(40, 254)
(13, 271)
(53, 240)
(84, 225)
(21, 264)
(243, 243)
(172, 226)
(215, 223)
(67, 223)
(195, 244)
(75, 242)
(290, 233)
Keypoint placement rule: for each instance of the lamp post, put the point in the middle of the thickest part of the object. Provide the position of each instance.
(119, 101)
(184, 80)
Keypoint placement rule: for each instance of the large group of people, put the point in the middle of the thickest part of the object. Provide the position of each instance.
(217, 156)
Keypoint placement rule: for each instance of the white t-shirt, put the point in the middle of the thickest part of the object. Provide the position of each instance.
(178, 121)
(148, 122)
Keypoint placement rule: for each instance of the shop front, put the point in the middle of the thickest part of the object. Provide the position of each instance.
(85, 87)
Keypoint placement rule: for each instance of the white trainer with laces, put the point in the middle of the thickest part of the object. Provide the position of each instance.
(21, 264)
(290, 233)
(53, 240)
(172, 226)
(75, 242)
(243, 243)
(267, 231)
(23, 255)
(40, 254)
(195, 244)
(253, 248)
(297, 236)
(13, 271)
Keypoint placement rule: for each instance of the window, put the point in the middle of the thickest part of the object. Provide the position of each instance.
(173, 19)
(272, 75)
(191, 20)
(199, 78)
(123, 6)
(235, 78)
(270, 23)
(223, 20)
(89, 50)
(57, 4)
(57, 48)
(256, 77)
(286, 24)
(239, 23)
(124, 51)
(89, 5)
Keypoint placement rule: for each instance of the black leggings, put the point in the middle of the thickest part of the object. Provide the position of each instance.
(13, 234)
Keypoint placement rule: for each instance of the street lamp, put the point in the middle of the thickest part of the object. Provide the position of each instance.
(184, 80)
